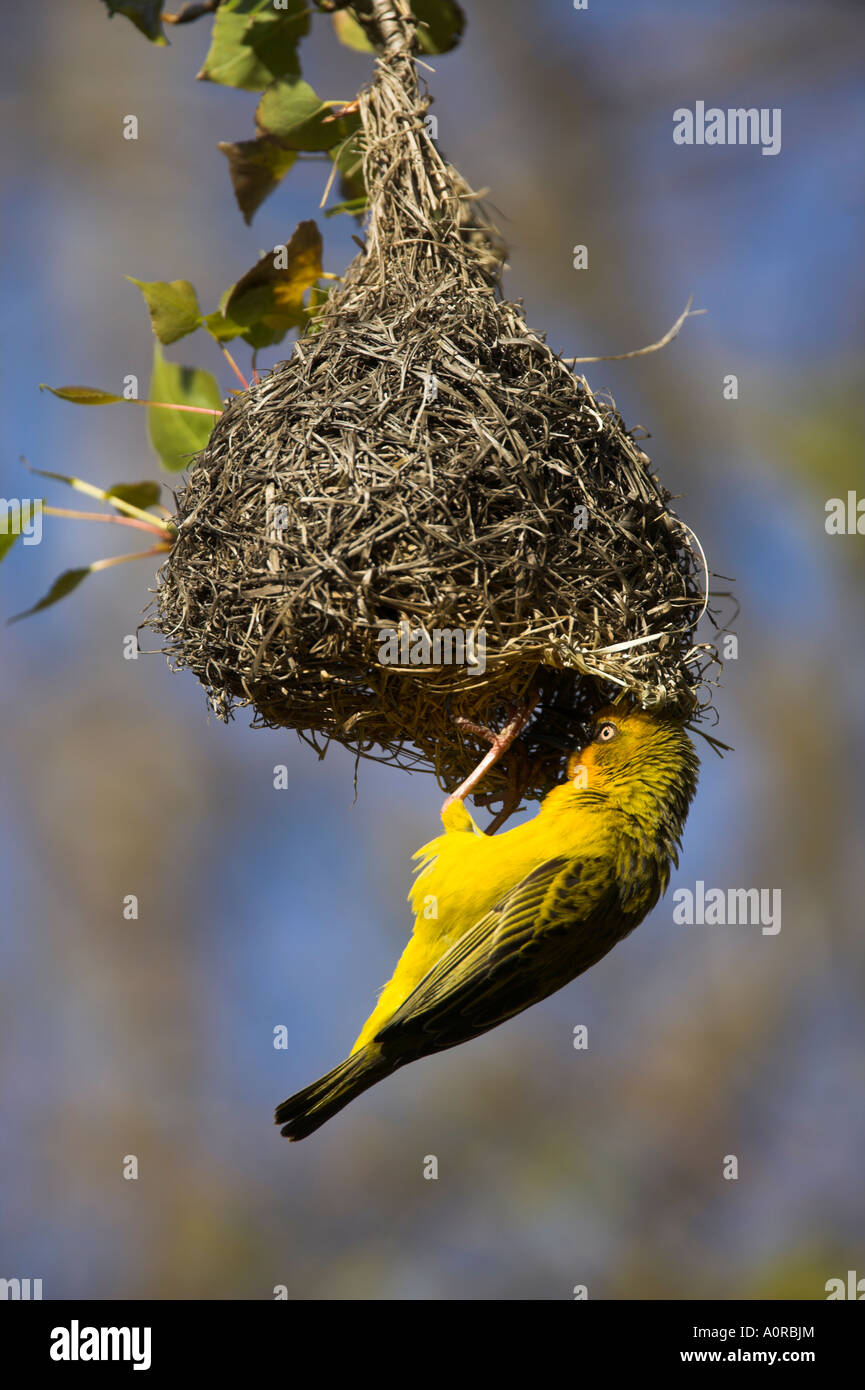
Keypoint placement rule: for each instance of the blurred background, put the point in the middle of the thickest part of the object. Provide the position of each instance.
(261, 908)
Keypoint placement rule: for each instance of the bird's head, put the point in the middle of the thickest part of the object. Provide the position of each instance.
(644, 762)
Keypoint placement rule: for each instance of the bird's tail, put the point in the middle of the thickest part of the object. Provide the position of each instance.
(302, 1113)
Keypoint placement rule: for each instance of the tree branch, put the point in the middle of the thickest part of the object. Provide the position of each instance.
(394, 27)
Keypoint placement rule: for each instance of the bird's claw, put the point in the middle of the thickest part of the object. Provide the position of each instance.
(499, 744)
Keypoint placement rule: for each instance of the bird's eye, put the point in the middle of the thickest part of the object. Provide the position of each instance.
(605, 732)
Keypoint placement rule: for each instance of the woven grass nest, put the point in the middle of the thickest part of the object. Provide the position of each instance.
(422, 459)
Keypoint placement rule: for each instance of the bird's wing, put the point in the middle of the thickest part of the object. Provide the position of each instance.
(549, 927)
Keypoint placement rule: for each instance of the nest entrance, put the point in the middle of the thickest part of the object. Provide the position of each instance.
(423, 464)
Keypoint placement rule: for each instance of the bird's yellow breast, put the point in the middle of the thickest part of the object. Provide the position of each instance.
(463, 873)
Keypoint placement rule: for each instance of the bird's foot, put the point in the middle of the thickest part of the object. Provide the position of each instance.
(499, 744)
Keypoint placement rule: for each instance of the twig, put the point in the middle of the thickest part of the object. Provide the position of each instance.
(194, 10)
(668, 337)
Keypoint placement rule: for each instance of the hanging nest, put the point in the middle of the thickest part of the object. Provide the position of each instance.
(422, 464)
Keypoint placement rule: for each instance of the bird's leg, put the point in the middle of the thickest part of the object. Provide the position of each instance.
(517, 778)
(500, 742)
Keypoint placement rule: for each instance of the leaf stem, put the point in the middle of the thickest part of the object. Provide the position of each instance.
(123, 559)
(169, 405)
(154, 526)
(90, 490)
(234, 367)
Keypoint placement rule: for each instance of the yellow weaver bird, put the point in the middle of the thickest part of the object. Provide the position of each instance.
(502, 921)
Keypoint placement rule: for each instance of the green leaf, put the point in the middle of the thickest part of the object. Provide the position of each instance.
(350, 32)
(256, 167)
(355, 206)
(221, 328)
(69, 580)
(268, 300)
(123, 501)
(274, 36)
(290, 117)
(318, 297)
(254, 44)
(78, 484)
(8, 537)
(81, 395)
(141, 495)
(220, 324)
(440, 24)
(293, 113)
(173, 306)
(348, 159)
(175, 434)
(144, 14)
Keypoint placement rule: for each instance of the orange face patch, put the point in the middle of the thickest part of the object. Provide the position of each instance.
(582, 768)
(580, 765)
